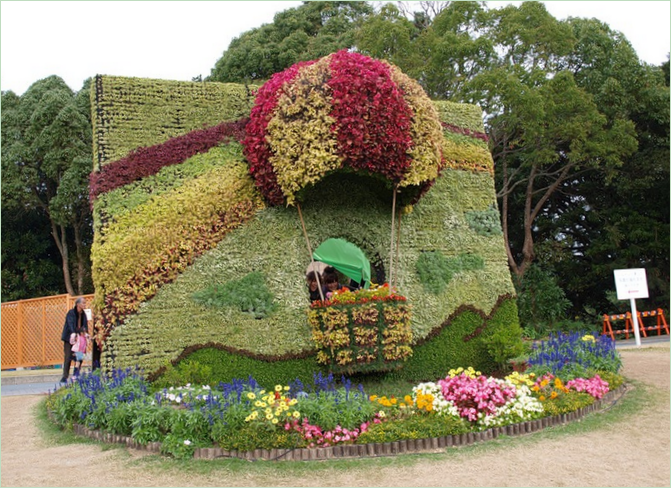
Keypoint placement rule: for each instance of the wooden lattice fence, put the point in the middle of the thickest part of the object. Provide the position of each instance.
(31, 330)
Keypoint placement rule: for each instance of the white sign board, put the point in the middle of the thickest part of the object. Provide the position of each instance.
(631, 283)
(89, 315)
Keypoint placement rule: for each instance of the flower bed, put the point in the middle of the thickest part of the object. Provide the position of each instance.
(241, 418)
(362, 331)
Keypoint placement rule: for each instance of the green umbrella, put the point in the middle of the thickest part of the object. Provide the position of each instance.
(346, 258)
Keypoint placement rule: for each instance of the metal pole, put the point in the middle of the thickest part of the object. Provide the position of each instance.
(634, 316)
(307, 241)
(398, 242)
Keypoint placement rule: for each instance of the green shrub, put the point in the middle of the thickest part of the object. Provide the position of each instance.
(504, 345)
(249, 294)
(224, 366)
(151, 424)
(458, 344)
(185, 372)
(255, 436)
(349, 409)
(567, 402)
(568, 326)
(414, 427)
(614, 380)
(540, 300)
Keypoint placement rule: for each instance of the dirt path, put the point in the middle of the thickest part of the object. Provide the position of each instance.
(631, 452)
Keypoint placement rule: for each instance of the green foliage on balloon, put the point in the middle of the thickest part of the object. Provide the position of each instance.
(250, 294)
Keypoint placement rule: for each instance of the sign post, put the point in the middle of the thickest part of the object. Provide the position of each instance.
(630, 285)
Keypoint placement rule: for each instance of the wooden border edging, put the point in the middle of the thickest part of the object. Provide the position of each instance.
(409, 446)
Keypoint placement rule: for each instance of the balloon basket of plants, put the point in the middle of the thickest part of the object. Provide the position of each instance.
(362, 331)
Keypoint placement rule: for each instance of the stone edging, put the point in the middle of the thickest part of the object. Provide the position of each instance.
(366, 450)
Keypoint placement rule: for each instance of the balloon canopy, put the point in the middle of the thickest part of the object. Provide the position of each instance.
(346, 258)
(343, 112)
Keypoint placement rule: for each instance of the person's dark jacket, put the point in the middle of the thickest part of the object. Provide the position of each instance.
(70, 326)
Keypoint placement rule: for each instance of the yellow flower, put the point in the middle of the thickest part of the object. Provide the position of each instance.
(278, 387)
(269, 416)
(297, 414)
(258, 403)
(553, 395)
(274, 421)
(542, 398)
(251, 395)
(293, 401)
(286, 388)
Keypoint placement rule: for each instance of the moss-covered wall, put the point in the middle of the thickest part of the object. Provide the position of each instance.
(161, 322)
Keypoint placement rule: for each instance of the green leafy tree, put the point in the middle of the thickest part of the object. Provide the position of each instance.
(544, 128)
(46, 159)
(606, 220)
(30, 259)
(310, 31)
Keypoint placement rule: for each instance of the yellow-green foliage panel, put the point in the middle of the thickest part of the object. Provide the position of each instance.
(130, 113)
(344, 206)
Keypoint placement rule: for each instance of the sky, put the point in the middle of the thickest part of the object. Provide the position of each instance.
(178, 40)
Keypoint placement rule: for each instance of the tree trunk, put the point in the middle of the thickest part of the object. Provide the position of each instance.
(528, 254)
(81, 270)
(504, 220)
(62, 244)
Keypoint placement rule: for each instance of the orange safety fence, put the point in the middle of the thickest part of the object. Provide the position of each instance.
(31, 330)
(629, 323)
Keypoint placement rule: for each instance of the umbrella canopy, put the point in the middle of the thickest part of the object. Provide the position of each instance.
(346, 258)
(317, 266)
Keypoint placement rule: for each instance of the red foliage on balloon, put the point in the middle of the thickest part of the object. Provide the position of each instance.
(372, 118)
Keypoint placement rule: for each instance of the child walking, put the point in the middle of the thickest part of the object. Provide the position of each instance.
(79, 343)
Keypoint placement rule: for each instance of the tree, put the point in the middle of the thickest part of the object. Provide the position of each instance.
(46, 159)
(544, 128)
(605, 220)
(30, 259)
(310, 31)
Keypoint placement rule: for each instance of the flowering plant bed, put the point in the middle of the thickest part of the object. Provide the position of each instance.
(361, 331)
(243, 419)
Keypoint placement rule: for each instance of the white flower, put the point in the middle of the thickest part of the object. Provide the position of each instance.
(187, 442)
